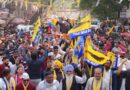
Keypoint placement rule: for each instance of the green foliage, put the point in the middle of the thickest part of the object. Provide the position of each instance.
(106, 8)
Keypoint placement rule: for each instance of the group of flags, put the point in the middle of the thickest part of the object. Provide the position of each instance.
(26, 2)
(82, 44)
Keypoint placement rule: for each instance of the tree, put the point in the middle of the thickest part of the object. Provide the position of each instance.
(105, 9)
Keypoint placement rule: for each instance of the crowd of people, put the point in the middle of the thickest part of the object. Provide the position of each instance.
(49, 64)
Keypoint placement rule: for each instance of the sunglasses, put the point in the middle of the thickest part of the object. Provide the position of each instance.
(25, 80)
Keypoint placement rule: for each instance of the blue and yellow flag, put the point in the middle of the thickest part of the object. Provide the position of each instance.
(93, 55)
(76, 51)
(36, 28)
(81, 29)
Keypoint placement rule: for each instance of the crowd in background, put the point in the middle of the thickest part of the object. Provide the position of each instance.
(48, 65)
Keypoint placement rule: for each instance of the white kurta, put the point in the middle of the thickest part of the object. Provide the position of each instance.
(89, 84)
(107, 78)
(43, 85)
(3, 85)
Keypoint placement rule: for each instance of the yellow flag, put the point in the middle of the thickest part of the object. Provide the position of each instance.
(83, 25)
(51, 3)
(76, 46)
(36, 28)
(75, 59)
(87, 18)
(26, 4)
(39, 3)
(110, 30)
(93, 55)
(111, 56)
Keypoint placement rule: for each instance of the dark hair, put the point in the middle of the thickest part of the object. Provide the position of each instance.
(17, 69)
(6, 72)
(110, 61)
(49, 72)
(34, 56)
(55, 47)
(4, 58)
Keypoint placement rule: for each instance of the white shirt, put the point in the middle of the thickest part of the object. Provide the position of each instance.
(107, 78)
(43, 85)
(3, 85)
(1, 62)
(13, 69)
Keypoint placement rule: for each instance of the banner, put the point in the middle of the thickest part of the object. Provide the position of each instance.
(93, 55)
(81, 29)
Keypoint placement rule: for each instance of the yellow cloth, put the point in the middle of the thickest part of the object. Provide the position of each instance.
(111, 56)
(93, 55)
(25, 87)
(59, 64)
(13, 83)
(10, 84)
(97, 84)
(110, 30)
(69, 82)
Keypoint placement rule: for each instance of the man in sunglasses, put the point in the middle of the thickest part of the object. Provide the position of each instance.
(25, 85)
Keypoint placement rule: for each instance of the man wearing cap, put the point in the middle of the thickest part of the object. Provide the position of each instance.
(49, 83)
(70, 82)
(25, 85)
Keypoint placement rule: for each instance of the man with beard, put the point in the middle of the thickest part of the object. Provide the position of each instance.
(49, 83)
(96, 82)
(58, 73)
(107, 74)
(71, 81)
(5, 64)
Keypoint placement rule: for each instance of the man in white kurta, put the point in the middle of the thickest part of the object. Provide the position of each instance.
(107, 75)
(49, 83)
(98, 78)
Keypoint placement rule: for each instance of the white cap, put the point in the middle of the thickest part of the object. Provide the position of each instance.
(25, 76)
(50, 54)
(51, 47)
